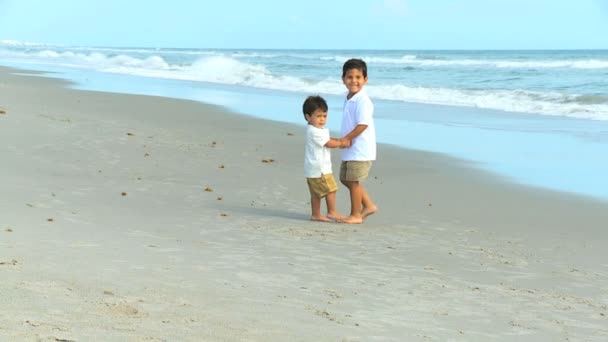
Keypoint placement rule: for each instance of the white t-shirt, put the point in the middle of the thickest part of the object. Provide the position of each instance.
(359, 110)
(317, 157)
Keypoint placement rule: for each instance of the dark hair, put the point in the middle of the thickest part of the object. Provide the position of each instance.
(313, 103)
(354, 63)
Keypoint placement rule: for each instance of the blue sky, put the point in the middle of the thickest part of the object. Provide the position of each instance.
(311, 24)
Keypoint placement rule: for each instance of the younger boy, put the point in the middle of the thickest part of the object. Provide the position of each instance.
(317, 159)
(358, 129)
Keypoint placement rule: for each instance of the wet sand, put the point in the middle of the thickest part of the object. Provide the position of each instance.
(140, 218)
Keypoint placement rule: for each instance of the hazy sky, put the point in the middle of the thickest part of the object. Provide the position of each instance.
(310, 24)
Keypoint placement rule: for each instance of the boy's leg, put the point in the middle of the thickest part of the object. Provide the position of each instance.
(315, 204)
(369, 208)
(361, 204)
(315, 200)
(332, 212)
(356, 202)
(330, 199)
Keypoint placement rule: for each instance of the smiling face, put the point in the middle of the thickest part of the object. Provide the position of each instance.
(318, 118)
(354, 80)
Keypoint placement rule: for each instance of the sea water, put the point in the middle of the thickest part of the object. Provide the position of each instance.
(535, 117)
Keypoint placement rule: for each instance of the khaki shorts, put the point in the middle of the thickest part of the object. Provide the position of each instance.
(323, 185)
(354, 170)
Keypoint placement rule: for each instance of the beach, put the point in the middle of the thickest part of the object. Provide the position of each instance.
(143, 218)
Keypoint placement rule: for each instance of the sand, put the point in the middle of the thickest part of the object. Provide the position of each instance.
(137, 218)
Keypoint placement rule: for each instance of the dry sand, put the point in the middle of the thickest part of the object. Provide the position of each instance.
(135, 218)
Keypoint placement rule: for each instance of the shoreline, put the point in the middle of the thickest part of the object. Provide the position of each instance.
(137, 248)
(524, 154)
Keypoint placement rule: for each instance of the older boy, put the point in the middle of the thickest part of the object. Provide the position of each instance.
(358, 128)
(317, 159)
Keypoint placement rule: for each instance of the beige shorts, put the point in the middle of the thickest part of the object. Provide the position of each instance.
(323, 185)
(354, 170)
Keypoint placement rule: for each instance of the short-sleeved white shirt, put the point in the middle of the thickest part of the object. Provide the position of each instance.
(359, 110)
(317, 157)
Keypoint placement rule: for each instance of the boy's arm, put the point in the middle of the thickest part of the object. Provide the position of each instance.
(354, 133)
(335, 142)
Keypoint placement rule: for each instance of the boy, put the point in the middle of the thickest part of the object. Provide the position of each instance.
(359, 132)
(317, 159)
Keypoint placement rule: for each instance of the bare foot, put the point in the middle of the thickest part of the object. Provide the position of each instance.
(351, 220)
(334, 215)
(368, 211)
(320, 218)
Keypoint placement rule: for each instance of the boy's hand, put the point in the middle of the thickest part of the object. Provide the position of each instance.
(345, 143)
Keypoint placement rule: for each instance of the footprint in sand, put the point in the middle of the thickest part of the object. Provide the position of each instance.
(12, 262)
(120, 309)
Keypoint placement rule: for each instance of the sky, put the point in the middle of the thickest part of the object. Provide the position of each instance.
(310, 24)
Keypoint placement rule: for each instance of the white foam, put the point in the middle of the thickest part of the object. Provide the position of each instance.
(10, 42)
(225, 69)
(405, 59)
(415, 61)
(520, 101)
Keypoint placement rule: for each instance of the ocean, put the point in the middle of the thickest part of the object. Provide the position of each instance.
(538, 118)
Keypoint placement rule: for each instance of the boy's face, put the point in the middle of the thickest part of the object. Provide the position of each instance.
(354, 81)
(318, 118)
